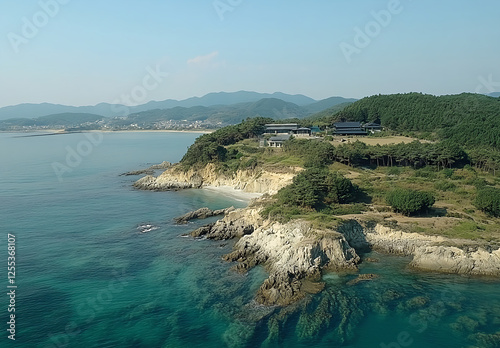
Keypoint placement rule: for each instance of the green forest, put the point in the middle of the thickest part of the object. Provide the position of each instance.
(467, 119)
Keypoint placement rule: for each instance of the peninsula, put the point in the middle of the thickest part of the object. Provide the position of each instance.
(328, 198)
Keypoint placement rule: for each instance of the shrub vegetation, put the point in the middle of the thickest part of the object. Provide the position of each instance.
(488, 200)
(407, 201)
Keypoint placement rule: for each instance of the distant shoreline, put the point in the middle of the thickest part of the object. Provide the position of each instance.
(62, 131)
(155, 131)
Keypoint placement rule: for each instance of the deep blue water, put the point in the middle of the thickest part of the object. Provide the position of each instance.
(87, 277)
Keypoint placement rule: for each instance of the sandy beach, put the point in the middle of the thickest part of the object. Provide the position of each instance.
(228, 191)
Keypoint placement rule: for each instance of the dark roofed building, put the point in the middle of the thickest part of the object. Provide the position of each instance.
(344, 125)
(278, 140)
(349, 128)
(281, 128)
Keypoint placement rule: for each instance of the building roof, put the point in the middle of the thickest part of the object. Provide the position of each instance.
(351, 131)
(371, 124)
(349, 128)
(347, 125)
(282, 125)
(304, 129)
(280, 128)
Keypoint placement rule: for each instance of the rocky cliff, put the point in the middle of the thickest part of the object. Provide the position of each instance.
(295, 253)
(252, 180)
(432, 253)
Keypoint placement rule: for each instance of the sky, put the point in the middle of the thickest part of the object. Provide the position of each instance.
(76, 52)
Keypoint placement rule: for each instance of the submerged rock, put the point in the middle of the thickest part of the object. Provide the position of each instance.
(486, 340)
(362, 277)
(139, 172)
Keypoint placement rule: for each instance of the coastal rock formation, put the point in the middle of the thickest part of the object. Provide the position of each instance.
(369, 235)
(450, 259)
(201, 213)
(150, 170)
(139, 172)
(235, 224)
(294, 253)
(432, 253)
(162, 165)
(169, 182)
(257, 181)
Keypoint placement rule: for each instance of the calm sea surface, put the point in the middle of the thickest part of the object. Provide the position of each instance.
(86, 276)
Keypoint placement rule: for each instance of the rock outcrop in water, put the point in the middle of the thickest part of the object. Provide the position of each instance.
(150, 170)
(295, 254)
(258, 181)
(201, 213)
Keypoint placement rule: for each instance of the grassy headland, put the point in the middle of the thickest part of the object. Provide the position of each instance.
(446, 185)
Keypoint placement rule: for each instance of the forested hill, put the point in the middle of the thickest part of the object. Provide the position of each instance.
(467, 119)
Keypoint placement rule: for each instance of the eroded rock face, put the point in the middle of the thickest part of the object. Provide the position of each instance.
(256, 181)
(167, 182)
(235, 224)
(449, 259)
(294, 253)
(385, 239)
(431, 253)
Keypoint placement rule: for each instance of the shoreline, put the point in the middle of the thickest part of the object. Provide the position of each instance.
(62, 131)
(155, 131)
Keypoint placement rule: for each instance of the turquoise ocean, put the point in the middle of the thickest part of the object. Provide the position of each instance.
(87, 277)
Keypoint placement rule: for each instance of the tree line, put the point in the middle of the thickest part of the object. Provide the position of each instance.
(467, 119)
(416, 154)
(210, 147)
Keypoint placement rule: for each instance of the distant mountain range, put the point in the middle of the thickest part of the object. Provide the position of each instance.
(212, 109)
(114, 110)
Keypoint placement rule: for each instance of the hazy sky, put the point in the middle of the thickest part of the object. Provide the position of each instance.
(85, 52)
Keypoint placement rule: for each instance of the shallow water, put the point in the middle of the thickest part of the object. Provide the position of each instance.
(87, 277)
